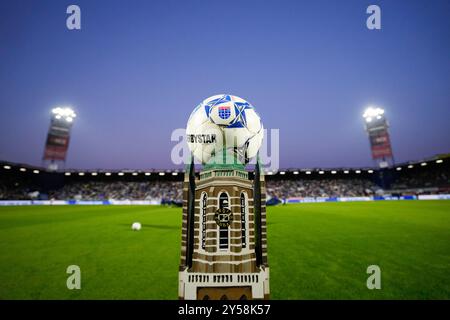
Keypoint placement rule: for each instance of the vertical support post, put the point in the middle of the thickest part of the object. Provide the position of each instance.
(257, 213)
(190, 214)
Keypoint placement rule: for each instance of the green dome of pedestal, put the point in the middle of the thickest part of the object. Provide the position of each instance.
(225, 159)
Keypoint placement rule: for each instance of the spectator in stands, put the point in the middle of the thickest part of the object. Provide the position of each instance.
(320, 188)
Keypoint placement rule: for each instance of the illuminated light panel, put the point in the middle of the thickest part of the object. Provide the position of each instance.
(64, 112)
(372, 112)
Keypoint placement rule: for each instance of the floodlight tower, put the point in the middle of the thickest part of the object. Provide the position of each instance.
(377, 126)
(58, 137)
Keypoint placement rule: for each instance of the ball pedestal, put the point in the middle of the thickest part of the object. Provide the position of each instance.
(224, 234)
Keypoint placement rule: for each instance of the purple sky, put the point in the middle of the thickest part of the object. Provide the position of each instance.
(137, 69)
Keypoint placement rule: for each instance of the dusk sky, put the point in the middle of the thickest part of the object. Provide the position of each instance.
(136, 70)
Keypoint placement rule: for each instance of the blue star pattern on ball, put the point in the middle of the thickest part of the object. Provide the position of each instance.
(239, 120)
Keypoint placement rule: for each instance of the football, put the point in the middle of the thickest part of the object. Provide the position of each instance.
(224, 122)
(136, 226)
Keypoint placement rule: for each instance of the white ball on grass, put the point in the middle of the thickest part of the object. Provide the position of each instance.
(136, 226)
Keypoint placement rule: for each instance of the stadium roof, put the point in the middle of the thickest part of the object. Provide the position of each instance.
(6, 165)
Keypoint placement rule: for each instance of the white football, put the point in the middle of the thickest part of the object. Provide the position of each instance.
(224, 121)
(136, 226)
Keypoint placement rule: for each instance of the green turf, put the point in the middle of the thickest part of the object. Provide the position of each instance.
(316, 251)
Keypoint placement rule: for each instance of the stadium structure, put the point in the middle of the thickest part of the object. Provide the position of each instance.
(51, 183)
(22, 183)
(377, 126)
(58, 137)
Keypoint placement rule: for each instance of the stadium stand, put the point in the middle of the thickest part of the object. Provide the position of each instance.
(120, 190)
(22, 182)
(320, 188)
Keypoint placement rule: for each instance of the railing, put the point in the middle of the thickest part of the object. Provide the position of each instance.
(224, 173)
(210, 278)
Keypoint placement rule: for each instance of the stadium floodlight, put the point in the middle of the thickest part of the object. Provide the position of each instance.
(321, 172)
(65, 113)
(399, 169)
(346, 171)
(358, 171)
(6, 167)
(282, 172)
(23, 169)
(134, 173)
(410, 166)
(295, 172)
(423, 164)
(333, 172)
(376, 126)
(439, 161)
(148, 173)
(36, 171)
(67, 173)
(93, 173)
(162, 173)
(120, 173)
(81, 173)
(372, 113)
(174, 173)
(370, 171)
(107, 173)
(308, 172)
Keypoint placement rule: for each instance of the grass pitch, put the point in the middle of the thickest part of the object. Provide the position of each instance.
(316, 251)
